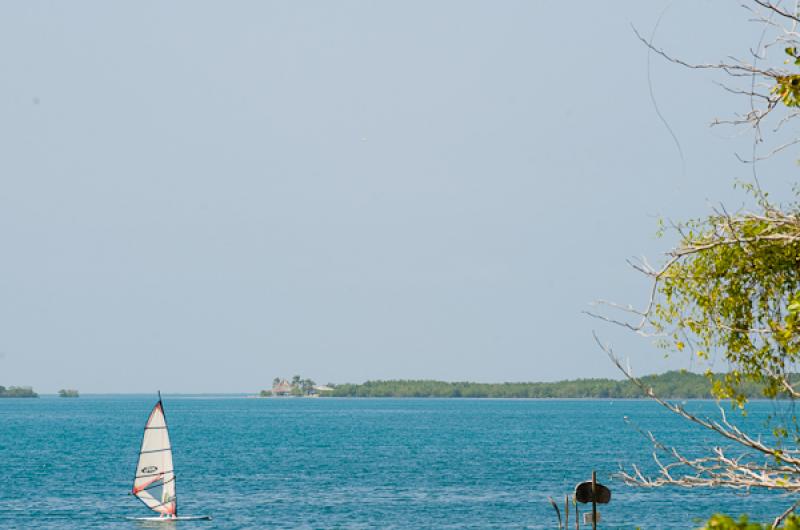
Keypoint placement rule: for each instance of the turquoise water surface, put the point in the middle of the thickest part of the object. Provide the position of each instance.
(347, 463)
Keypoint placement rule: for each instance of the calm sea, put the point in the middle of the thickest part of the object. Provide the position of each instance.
(346, 463)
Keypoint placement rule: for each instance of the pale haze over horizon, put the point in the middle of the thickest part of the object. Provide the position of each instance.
(201, 196)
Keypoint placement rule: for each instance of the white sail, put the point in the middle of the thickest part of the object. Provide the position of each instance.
(154, 484)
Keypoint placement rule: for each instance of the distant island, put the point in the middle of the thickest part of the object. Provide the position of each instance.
(68, 393)
(17, 392)
(672, 385)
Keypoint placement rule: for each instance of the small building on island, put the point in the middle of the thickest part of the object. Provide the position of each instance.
(282, 388)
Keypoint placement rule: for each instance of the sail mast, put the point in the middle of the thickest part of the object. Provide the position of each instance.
(174, 484)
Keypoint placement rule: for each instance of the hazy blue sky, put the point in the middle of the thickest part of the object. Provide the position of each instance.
(199, 196)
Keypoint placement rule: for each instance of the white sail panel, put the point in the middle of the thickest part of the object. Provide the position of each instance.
(154, 483)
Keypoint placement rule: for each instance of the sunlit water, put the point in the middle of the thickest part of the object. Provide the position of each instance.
(347, 463)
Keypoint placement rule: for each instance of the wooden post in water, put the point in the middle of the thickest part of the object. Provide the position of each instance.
(577, 517)
(594, 500)
(558, 512)
(566, 512)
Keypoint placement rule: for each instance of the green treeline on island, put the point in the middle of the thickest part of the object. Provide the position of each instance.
(17, 391)
(673, 385)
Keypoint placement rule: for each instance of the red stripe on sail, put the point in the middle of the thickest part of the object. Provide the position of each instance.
(143, 486)
(150, 418)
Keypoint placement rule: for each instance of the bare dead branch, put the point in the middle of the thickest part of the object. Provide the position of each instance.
(777, 10)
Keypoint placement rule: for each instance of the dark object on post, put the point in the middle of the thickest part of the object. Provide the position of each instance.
(583, 493)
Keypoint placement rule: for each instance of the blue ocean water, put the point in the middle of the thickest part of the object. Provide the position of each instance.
(347, 463)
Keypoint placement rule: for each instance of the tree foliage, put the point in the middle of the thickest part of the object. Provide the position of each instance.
(724, 522)
(729, 292)
(730, 288)
(674, 384)
(17, 391)
(733, 286)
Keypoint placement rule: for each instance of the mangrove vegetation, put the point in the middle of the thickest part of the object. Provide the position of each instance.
(17, 391)
(674, 384)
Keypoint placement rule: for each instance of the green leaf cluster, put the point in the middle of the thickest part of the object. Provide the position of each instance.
(787, 87)
(733, 290)
(725, 522)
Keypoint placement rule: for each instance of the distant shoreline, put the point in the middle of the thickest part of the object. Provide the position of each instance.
(669, 385)
(17, 392)
(255, 397)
